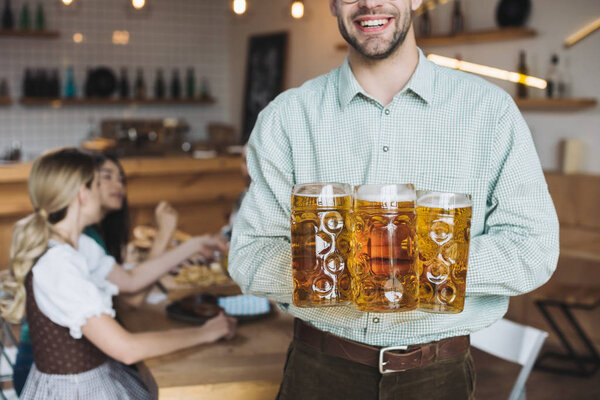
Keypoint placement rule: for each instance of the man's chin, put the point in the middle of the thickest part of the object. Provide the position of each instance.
(373, 53)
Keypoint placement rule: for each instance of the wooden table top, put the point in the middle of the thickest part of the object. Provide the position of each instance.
(249, 367)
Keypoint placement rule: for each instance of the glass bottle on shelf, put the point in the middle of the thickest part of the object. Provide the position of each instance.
(54, 84)
(140, 85)
(190, 84)
(552, 78)
(564, 79)
(175, 85)
(8, 20)
(40, 19)
(70, 89)
(458, 20)
(3, 88)
(26, 88)
(522, 92)
(159, 85)
(124, 84)
(204, 89)
(24, 19)
(43, 83)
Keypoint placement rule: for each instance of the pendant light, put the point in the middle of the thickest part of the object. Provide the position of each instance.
(239, 6)
(297, 9)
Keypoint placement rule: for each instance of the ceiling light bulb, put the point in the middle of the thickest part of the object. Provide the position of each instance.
(67, 2)
(239, 6)
(138, 4)
(77, 37)
(297, 9)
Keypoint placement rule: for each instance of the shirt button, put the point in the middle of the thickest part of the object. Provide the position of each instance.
(386, 149)
(375, 320)
(387, 111)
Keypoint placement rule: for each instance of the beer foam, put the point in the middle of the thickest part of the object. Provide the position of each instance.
(333, 190)
(386, 193)
(443, 200)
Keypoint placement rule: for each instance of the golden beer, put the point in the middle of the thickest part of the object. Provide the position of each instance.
(443, 236)
(321, 244)
(384, 275)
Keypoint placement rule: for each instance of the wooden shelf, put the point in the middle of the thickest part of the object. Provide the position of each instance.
(29, 33)
(555, 104)
(489, 35)
(5, 101)
(34, 102)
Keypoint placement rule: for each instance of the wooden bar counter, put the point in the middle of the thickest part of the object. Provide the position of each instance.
(202, 191)
(249, 367)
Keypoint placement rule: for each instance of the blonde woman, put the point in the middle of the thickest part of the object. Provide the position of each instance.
(66, 282)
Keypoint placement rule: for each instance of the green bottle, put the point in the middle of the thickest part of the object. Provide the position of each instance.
(25, 20)
(190, 84)
(40, 20)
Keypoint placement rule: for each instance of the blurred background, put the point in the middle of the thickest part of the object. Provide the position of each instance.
(174, 87)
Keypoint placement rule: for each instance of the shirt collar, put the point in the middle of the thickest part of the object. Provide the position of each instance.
(348, 85)
(421, 82)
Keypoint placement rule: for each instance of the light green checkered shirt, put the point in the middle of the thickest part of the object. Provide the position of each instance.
(446, 131)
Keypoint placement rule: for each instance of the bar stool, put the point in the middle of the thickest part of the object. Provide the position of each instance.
(567, 298)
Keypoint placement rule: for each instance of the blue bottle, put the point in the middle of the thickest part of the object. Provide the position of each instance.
(70, 90)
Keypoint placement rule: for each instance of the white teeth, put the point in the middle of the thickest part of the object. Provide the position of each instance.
(373, 22)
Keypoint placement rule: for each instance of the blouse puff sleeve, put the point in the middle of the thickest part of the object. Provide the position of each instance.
(68, 291)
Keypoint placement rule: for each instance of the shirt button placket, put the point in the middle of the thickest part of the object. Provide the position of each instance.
(386, 148)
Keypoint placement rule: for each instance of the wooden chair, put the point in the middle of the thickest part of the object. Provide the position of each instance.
(512, 342)
(567, 298)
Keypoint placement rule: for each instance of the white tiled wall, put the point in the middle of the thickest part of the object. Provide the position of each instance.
(168, 34)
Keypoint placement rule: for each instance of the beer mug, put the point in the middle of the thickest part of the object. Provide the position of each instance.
(383, 270)
(321, 244)
(443, 236)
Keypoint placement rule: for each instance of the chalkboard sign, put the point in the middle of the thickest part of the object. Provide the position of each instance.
(264, 76)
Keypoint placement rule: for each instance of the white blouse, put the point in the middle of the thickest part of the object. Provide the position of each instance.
(70, 285)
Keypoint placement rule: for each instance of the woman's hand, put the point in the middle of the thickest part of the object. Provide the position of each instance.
(208, 245)
(166, 219)
(220, 327)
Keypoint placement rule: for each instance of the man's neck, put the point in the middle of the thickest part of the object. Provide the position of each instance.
(385, 78)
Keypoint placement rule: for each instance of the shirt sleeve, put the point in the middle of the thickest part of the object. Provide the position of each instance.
(99, 263)
(65, 292)
(260, 255)
(518, 249)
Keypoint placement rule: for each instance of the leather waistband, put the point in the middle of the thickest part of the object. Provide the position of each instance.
(380, 357)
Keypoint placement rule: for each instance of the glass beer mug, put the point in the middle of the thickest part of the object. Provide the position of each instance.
(443, 236)
(321, 244)
(384, 275)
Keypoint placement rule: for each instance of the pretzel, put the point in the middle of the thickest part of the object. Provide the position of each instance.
(144, 235)
(199, 275)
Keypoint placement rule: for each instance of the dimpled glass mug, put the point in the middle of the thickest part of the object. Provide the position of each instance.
(443, 237)
(384, 275)
(320, 238)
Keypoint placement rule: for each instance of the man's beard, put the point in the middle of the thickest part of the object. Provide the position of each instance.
(378, 54)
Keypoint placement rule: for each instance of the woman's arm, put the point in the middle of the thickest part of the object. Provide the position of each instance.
(166, 223)
(110, 337)
(149, 271)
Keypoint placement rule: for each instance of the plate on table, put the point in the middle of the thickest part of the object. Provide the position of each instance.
(198, 309)
(195, 309)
